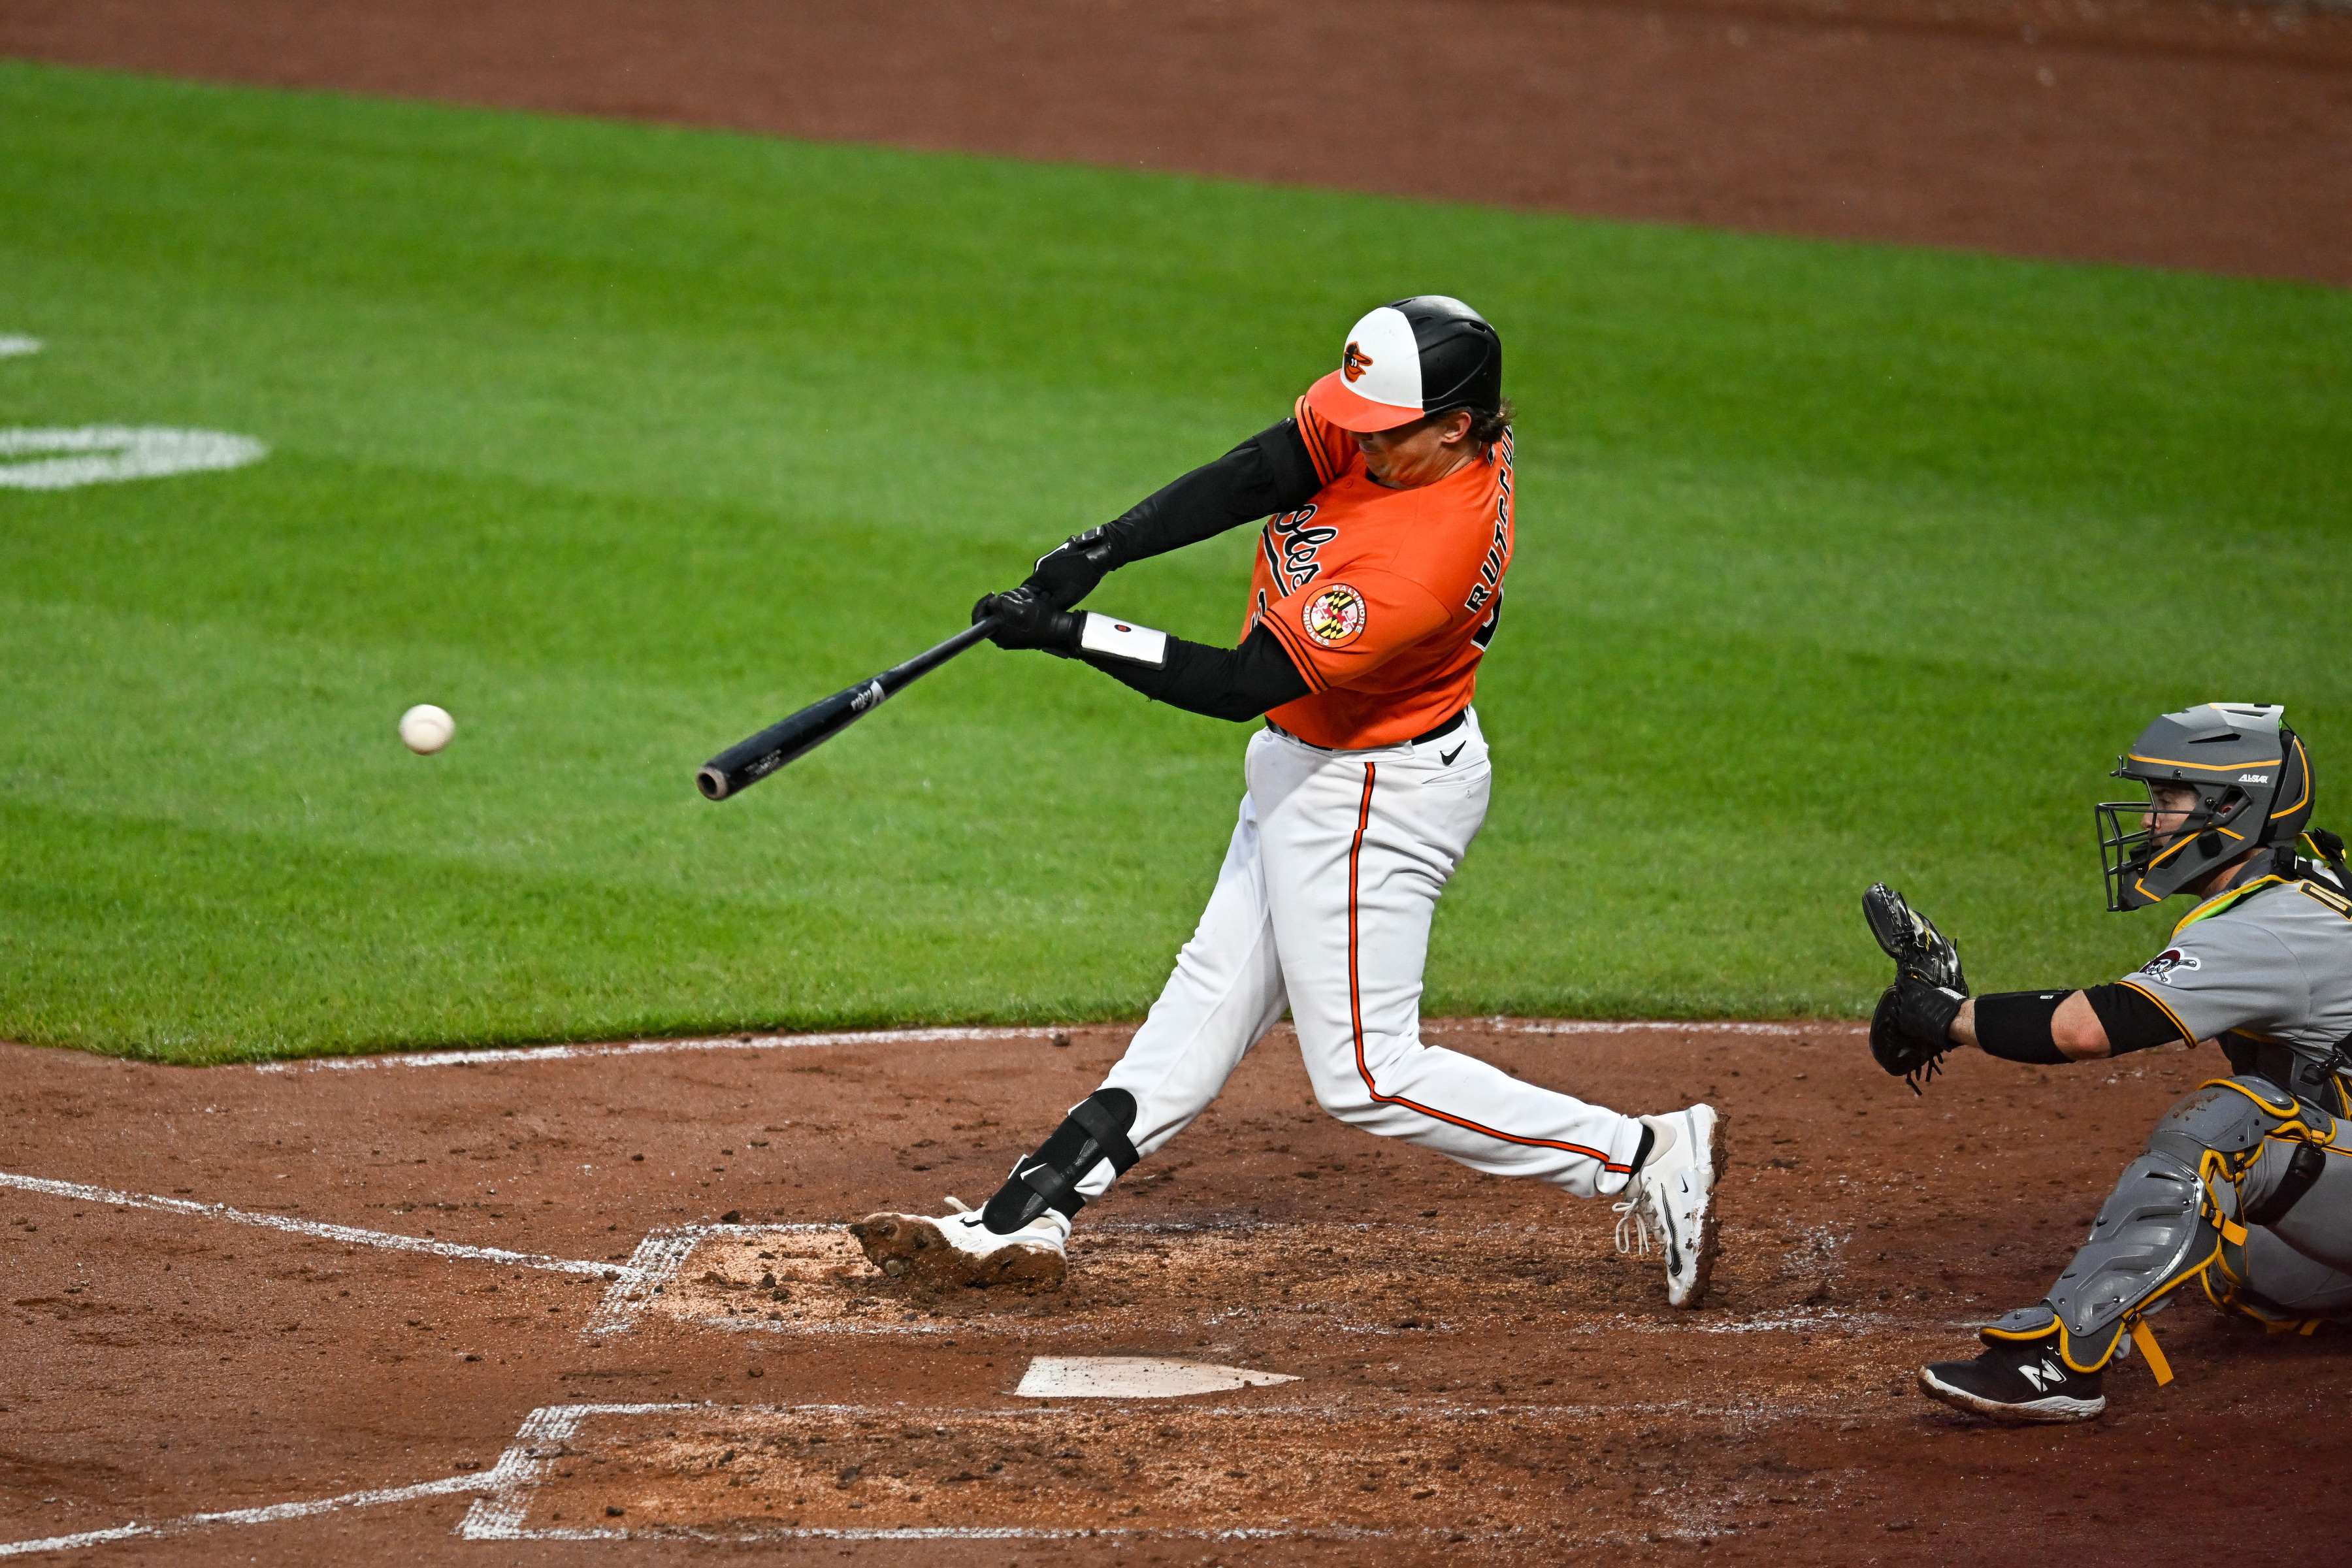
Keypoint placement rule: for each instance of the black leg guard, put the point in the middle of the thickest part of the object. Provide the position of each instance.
(1096, 1130)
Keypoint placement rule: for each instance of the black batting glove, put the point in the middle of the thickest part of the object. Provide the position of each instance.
(1025, 619)
(1073, 568)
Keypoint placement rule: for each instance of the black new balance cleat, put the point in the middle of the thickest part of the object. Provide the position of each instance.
(2017, 1383)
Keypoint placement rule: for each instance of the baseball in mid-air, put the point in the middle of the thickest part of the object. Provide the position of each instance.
(425, 729)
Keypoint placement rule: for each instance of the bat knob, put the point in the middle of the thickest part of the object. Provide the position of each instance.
(711, 783)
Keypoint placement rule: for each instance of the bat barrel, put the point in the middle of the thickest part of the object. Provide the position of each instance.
(745, 763)
(741, 765)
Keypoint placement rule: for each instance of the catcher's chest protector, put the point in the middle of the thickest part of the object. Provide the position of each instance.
(2273, 958)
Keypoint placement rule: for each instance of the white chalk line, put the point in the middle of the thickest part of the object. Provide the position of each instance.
(657, 1259)
(952, 1532)
(1503, 1026)
(519, 1466)
(923, 1036)
(547, 1434)
(272, 1514)
(111, 453)
(544, 1434)
(508, 1488)
(15, 343)
(651, 1266)
(383, 1240)
(648, 1047)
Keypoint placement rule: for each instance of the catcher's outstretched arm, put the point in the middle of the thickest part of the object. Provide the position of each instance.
(2055, 1026)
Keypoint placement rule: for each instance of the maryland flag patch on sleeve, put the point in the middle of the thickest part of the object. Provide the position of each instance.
(1335, 617)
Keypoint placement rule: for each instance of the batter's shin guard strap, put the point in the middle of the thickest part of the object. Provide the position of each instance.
(1096, 1130)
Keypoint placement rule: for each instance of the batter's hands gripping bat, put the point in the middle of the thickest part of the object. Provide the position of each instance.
(740, 766)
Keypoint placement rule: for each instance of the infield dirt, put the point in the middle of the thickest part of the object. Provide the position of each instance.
(1479, 1376)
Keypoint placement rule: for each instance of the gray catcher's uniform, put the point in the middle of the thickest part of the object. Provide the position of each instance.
(2248, 1181)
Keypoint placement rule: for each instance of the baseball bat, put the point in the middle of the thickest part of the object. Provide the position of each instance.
(745, 763)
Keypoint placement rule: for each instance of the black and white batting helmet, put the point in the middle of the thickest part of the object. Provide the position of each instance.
(1429, 354)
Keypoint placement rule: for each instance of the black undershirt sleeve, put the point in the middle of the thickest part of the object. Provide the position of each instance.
(1235, 683)
(1269, 473)
(2132, 1021)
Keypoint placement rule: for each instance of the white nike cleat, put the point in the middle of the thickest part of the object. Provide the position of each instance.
(1673, 1196)
(956, 1251)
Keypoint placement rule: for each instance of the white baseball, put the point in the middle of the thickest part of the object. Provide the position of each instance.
(425, 729)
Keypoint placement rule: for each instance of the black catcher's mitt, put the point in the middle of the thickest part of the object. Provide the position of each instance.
(1911, 1030)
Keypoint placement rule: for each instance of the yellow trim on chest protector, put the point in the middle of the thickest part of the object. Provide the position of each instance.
(2223, 902)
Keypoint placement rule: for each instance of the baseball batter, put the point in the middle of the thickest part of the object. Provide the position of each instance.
(2245, 1184)
(1377, 590)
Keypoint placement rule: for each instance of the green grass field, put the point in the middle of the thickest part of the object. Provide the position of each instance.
(1835, 563)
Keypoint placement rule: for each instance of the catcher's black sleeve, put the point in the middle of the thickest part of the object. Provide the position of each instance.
(2131, 1019)
(1235, 683)
(2015, 1026)
(1269, 473)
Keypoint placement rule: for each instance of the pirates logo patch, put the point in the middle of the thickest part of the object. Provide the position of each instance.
(2171, 961)
(1335, 617)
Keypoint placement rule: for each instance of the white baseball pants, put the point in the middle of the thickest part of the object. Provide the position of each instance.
(1323, 906)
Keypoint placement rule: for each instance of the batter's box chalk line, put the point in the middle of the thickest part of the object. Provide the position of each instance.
(503, 1495)
(510, 1485)
(633, 1285)
(350, 1236)
(508, 1482)
(655, 1263)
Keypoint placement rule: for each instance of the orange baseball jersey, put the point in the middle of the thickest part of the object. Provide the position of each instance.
(1385, 599)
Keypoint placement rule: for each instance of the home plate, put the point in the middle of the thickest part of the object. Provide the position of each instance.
(1134, 1377)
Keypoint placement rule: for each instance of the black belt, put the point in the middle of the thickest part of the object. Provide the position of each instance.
(1443, 730)
(1420, 740)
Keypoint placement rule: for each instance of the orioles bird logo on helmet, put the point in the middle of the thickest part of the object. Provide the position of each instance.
(1354, 362)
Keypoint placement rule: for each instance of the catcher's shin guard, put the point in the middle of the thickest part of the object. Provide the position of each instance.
(1095, 1130)
(2163, 1226)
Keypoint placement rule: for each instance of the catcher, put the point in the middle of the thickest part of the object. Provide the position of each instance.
(2245, 1184)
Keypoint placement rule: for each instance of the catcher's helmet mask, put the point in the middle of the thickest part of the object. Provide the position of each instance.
(2251, 782)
